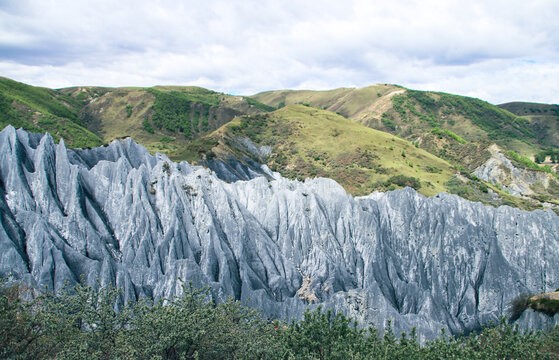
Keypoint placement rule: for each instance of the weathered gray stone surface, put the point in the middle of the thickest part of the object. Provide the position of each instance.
(518, 182)
(122, 216)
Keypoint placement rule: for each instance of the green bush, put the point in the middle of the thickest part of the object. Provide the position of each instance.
(147, 126)
(183, 111)
(47, 101)
(55, 118)
(402, 180)
(498, 123)
(259, 105)
(84, 323)
(398, 103)
(553, 154)
(324, 336)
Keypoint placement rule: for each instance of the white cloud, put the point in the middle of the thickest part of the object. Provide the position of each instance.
(499, 51)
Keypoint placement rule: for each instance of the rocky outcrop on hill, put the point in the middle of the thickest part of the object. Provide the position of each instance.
(516, 181)
(144, 223)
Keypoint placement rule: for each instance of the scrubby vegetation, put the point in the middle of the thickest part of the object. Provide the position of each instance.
(9, 116)
(433, 109)
(518, 305)
(498, 123)
(553, 156)
(454, 128)
(524, 162)
(404, 181)
(259, 105)
(388, 122)
(546, 305)
(46, 100)
(82, 323)
(185, 112)
(309, 142)
(438, 131)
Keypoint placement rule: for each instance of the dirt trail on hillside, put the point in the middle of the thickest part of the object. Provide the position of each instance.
(377, 108)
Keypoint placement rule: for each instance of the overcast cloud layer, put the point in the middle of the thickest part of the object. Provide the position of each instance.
(496, 50)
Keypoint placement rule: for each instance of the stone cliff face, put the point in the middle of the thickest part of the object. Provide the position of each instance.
(518, 182)
(142, 222)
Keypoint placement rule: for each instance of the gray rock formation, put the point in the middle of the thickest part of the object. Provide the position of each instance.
(142, 222)
(518, 182)
(247, 164)
(231, 169)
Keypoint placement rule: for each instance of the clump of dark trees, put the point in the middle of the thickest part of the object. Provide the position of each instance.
(83, 323)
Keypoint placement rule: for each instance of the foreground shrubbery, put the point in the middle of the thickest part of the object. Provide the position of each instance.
(83, 323)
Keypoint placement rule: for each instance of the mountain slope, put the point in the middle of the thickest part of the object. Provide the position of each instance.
(163, 118)
(40, 110)
(300, 141)
(409, 113)
(458, 129)
(543, 117)
(122, 216)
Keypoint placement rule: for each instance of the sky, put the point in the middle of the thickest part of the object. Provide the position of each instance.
(496, 50)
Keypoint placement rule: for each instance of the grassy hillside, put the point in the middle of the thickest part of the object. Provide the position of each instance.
(419, 115)
(410, 114)
(162, 118)
(308, 142)
(454, 128)
(544, 119)
(356, 104)
(40, 110)
(531, 109)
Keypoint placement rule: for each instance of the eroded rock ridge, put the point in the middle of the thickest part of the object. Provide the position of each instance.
(144, 223)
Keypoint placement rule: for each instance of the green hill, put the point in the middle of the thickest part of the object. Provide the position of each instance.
(446, 125)
(163, 118)
(412, 114)
(308, 142)
(455, 128)
(39, 110)
(544, 119)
